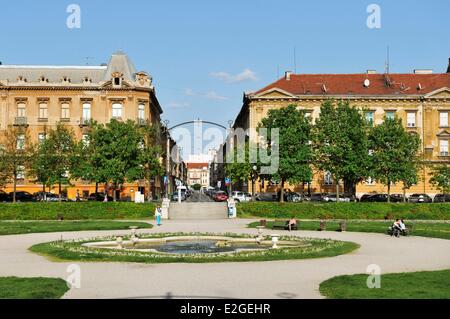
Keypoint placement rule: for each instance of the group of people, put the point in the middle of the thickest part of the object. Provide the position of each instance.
(398, 228)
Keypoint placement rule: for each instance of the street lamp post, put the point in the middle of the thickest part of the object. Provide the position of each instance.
(254, 175)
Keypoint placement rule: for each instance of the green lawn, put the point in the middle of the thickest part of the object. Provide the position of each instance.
(73, 250)
(425, 229)
(28, 227)
(32, 288)
(369, 211)
(417, 285)
(76, 211)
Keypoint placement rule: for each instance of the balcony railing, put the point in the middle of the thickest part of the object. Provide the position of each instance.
(21, 121)
(141, 121)
(444, 154)
(85, 121)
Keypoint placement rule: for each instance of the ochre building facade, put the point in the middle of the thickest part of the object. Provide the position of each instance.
(38, 97)
(421, 99)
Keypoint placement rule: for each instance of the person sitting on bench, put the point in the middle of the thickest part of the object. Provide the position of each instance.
(396, 228)
(292, 224)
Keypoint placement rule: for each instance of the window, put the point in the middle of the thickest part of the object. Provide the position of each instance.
(390, 115)
(443, 119)
(20, 172)
(21, 110)
(444, 147)
(65, 111)
(141, 112)
(21, 142)
(41, 137)
(86, 112)
(370, 118)
(328, 179)
(43, 110)
(370, 181)
(411, 119)
(117, 110)
(117, 81)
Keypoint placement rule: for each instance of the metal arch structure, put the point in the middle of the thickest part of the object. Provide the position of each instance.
(197, 121)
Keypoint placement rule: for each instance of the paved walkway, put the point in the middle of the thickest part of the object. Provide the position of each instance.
(278, 279)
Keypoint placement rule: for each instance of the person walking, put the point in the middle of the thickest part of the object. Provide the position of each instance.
(78, 196)
(158, 214)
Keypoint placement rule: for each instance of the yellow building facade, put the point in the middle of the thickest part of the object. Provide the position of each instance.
(38, 97)
(421, 99)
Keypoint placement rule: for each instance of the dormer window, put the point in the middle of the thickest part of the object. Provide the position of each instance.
(65, 80)
(21, 79)
(43, 79)
(87, 80)
(117, 79)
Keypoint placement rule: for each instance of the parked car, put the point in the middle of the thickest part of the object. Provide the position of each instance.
(293, 197)
(175, 196)
(333, 198)
(21, 197)
(315, 197)
(439, 198)
(3, 196)
(99, 197)
(220, 196)
(266, 197)
(419, 198)
(241, 196)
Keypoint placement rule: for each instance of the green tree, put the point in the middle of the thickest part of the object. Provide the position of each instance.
(341, 144)
(295, 153)
(440, 178)
(14, 155)
(392, 151)
(150, 154)
(86, 162)
(60, 148)
(40, 166)
(119, 153)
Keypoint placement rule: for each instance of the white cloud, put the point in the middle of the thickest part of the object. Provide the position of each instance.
(178, 105)
(246, 75)
(212, 95)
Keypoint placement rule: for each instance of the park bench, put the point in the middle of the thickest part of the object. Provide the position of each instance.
(283, 224)
(407, 232)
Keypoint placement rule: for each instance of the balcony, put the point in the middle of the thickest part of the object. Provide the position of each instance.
(85, 121)
(21, 121)
(443, 154)
(141, 121)
(42, 119)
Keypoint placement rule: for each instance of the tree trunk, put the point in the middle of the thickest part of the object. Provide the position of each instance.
(14, 188)
(404, 194)
(337, 190)
(96, 188)
(59, 190)
(149, 192)
(44, 198)
(114, 192)
(389, 191)
(443, 198)
(282, 191)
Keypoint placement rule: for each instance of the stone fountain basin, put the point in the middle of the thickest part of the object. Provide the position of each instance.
(127, 245)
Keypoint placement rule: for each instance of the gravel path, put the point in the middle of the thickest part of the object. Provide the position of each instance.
(277, 279)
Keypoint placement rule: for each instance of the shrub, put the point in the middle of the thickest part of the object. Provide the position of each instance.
(344, 210)
(76, 211)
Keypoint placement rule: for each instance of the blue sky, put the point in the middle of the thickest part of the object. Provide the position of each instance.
(204, 54)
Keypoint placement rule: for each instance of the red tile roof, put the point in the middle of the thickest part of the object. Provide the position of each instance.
(353, 84)
(197, 165)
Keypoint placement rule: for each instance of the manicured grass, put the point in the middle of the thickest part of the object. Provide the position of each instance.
(74, 251)
(32, 288)
(425, 229)
(377, 211)
(417, 285)
(76, 211)
(28, 227)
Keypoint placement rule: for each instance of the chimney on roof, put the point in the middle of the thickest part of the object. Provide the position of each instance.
(423, 71)
(287, 75)
(371, 72)
(448, 68)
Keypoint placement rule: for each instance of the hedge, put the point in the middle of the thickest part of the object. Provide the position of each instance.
(345, 210)
(76, 211)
